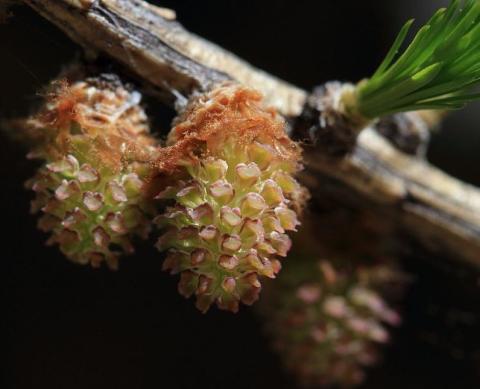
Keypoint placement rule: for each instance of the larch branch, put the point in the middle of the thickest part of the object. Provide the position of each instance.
(440, 213)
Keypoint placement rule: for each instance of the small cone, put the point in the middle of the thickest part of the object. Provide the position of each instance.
(94, 140)
(327, 321)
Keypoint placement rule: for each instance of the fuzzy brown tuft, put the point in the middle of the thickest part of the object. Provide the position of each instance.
(229, 111)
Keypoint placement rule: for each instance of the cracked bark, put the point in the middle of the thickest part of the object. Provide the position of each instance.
(438, 213)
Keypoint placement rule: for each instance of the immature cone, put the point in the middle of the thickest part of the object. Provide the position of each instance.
(235, 201)
(327, 320)
(93, 137)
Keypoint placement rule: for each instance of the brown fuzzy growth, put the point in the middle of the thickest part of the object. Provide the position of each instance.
(108, 114)
(230, 110)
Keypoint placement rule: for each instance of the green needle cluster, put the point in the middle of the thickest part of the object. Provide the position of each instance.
(436, 71)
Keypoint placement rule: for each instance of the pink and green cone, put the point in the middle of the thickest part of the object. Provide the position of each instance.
(93, 139)
(327, 319)
(234, 201)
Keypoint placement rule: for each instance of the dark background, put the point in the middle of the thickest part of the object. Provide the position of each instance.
(66, 326)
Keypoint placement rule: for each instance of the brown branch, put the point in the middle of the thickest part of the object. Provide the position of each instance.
(440, 213)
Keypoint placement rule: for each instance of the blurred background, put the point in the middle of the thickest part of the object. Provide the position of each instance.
(66, 326)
